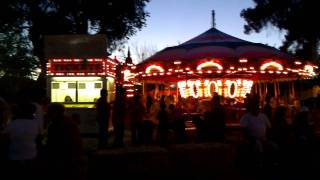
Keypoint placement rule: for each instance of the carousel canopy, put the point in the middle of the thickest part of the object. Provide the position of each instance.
(214, 54)
(216, 44)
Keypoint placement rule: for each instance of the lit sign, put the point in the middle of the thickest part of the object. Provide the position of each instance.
(206, 88)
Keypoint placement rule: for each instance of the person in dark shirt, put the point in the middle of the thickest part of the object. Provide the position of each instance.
(214, 121)
(103, 113)
(163, 124)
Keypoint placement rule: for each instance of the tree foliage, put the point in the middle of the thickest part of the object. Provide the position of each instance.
(297, 17)
(118, 19)
(16, 59)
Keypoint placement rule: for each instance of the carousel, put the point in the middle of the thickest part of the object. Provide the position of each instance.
(215, 62)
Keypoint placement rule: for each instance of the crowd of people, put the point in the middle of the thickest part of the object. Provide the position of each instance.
(38, 140)
(34, 132)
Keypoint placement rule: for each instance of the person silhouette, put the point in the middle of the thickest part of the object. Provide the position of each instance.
(103, 113)
(68, 99)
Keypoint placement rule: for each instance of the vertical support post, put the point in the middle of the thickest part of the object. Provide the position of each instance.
(275, 89)
(143, 88)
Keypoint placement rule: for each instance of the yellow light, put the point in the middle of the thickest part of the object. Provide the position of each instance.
(209, 64)
(229, 84)
(194, 86)
(231, 67)
(154, 67)
(216, 88)
(251, 67)
(182, 89)
(271, 64)
(198, 88)
(297, 62)
(187, 69)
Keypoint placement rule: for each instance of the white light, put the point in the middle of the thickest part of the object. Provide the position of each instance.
(297, 62)
(243, 60)
(127, 75)
(271, 64)
(154, 67)
(209, 64)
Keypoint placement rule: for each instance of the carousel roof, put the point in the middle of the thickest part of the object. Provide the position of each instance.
(217, 54)
(216, 44)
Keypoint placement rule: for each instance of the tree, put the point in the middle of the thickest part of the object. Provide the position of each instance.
(143, 51)
(16, 59)
(297, 17)
(118, 19)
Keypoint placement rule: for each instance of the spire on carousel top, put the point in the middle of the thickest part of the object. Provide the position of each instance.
(128, 59)
(213, 19)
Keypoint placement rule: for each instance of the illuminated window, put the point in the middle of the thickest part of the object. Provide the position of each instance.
(71, 85)
(87, 91)
(55, 85)
(82, 86)
(77, 89)
(97, 85)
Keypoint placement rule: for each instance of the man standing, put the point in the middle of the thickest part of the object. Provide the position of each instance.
(103, 113)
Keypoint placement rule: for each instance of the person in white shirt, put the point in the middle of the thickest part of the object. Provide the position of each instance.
(255, 125)
(22, 132)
